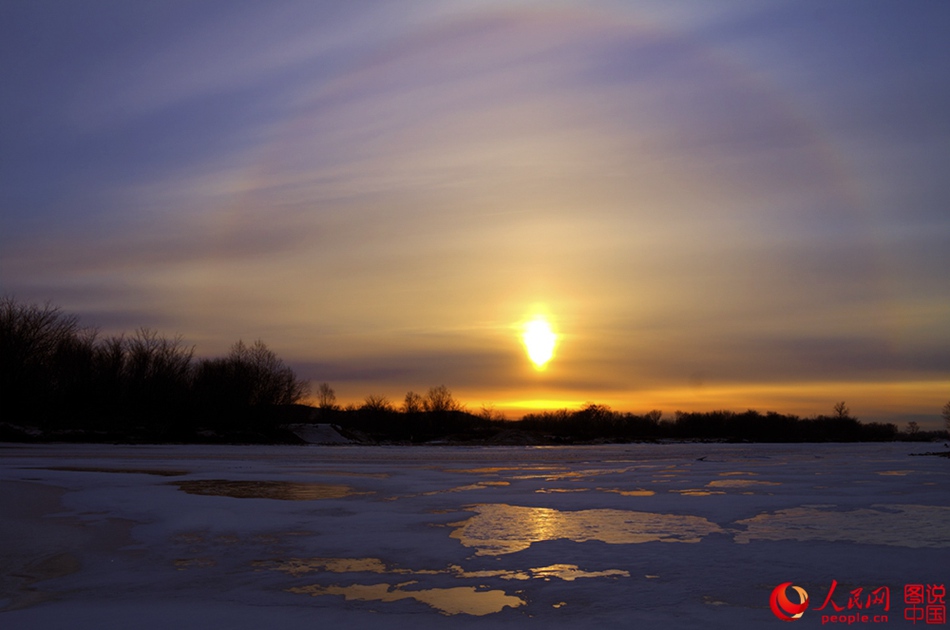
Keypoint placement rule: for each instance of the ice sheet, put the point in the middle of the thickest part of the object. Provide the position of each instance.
(673, 536)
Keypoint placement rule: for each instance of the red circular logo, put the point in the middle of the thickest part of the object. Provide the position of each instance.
(782, 606)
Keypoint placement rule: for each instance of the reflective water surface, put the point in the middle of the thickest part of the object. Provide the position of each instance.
(454, 600)
(498, 529)
(304, 566)
(449, 601)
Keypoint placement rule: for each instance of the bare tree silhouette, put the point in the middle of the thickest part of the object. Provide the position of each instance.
(412, 403)
(439, 400)
(326, 397)
(841, 410)
(377, 404)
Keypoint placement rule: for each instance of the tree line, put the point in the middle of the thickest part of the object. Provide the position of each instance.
(437, 416)
(599, 422)
(59, 377)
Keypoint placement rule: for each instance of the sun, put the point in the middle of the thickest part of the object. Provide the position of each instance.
(539, 341)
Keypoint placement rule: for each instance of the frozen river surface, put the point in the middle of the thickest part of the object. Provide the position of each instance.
(646, 536)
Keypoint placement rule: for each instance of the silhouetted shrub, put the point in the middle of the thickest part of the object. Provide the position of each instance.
(59, 376)
(236, 387)
(32, 337)
(440, 400)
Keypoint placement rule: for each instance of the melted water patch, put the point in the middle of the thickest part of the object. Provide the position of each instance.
(697, 492)
(481, 485)
(163, 472)
(571, 572)
(894, 525)
(740, 483)
(573, 475)
(204, 562)
(281, 490)
(346, 473)
(566, 572)
(303, 566)
(494, 470)
(639, 492)
(17, 588)
(498, 529)
(457, 600)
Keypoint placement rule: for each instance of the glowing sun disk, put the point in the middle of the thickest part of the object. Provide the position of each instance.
(539, 341)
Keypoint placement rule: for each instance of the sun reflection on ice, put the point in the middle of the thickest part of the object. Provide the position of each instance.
(498, 529)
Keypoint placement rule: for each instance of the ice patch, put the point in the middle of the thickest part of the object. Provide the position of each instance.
(895, 525)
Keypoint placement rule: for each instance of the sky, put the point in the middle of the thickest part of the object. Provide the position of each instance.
(713, 205)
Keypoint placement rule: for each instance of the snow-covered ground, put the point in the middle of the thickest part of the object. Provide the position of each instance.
(645, 536)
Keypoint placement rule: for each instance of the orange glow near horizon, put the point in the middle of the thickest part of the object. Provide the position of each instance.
(540, 404)
(896, 402)
(872, 401)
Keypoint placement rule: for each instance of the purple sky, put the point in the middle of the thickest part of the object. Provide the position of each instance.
(715, 204)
